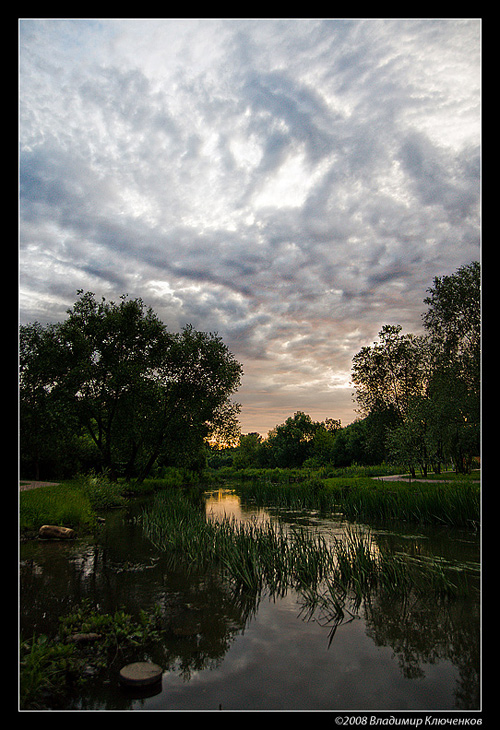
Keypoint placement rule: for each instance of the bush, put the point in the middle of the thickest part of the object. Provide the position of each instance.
(101, 492)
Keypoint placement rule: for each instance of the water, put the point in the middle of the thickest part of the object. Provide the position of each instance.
(227, 651)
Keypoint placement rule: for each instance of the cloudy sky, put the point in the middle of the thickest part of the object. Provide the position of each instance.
(292, 184)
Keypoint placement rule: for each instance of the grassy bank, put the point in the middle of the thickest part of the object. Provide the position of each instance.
(77, 502)
(66, 504)
(455, 503)
(353, 491)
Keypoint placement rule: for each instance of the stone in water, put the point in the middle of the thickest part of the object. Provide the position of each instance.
(140, 674)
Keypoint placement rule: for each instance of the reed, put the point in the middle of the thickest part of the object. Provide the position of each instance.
(258, 556)
(457, 503)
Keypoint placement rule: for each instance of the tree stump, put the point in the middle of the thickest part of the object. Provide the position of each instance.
(140, 674)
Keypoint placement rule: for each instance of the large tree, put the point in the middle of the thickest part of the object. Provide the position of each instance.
(391, 372)
(453, 321)
(427, 388)
(132, 385)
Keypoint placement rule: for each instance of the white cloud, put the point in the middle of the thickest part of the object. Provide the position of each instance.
(292, 184)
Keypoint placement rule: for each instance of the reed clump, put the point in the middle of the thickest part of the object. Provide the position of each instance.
(455, 504)
(265, 555)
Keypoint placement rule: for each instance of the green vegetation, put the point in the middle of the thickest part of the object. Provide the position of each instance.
(111, 389)
(65, 504)
(418, 398)
(265, 555)
(51, 668)
(77, 502)
(456, 503)
(111, 395)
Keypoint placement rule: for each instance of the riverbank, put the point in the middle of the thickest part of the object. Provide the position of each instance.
(244, 649)
(453, 501)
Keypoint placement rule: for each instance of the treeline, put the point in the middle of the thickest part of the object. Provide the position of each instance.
(301, 442)
(110, 389)
(418, 397)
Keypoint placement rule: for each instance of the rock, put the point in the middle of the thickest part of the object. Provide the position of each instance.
(140, 674)
(54, 532)
(85, 638)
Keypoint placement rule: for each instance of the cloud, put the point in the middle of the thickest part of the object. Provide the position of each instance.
(291, 184)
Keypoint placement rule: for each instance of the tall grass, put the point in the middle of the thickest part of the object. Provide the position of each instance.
(456, 504)
(258, 556)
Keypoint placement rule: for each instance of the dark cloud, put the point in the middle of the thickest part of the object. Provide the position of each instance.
(293, 185)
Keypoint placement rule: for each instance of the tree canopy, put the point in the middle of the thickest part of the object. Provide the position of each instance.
(113, 374)
(429, 385)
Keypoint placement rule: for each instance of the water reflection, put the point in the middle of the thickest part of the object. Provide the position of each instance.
(227, 648)
(225, 503)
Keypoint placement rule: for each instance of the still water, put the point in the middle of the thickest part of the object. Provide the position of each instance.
(233, 652)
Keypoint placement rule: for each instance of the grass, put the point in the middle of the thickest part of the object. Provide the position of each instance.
(65, 504)
(258, 556)
(456, 503)
(76, 503)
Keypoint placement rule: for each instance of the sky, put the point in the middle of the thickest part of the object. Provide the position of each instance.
(292, 184)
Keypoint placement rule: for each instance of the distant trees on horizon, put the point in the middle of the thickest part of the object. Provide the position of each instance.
(418, 395)
(111, 389)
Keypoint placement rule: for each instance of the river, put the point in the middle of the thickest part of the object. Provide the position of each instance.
(233, 652)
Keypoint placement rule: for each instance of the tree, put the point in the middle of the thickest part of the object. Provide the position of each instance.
(387, 375)
(412, 442)
(133, 386)
(425, 390)
(247, 455)
(49, 433)
(453, 321)
(290, 442)
(323, 443)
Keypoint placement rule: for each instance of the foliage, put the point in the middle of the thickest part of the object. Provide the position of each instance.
(51, 668)
(141, 394)
(429, 386)
(291, 442)
(297, 442)
(453, 321)
(46, 670)
(101, 492)
(391, 372)
(111, 389)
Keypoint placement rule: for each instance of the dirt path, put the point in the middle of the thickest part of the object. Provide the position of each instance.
(406, 478)
(33, 485)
